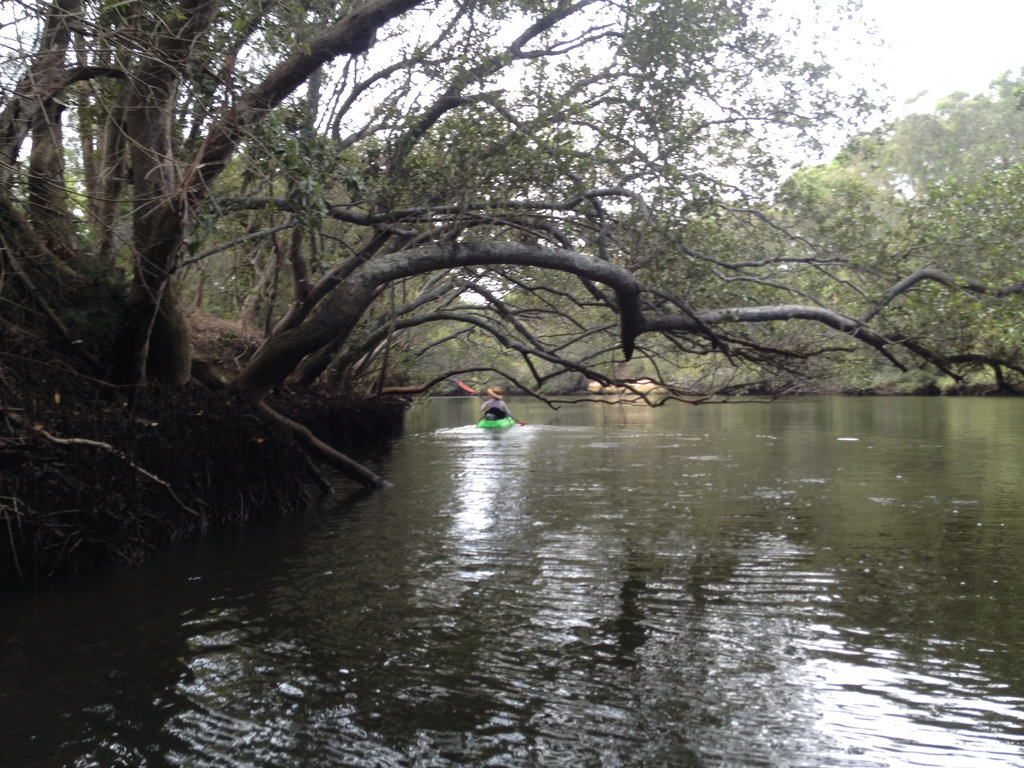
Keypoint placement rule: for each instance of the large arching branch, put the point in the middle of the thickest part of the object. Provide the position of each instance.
(341, 310)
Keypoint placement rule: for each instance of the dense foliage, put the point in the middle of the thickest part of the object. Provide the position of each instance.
(925, 216)
(249, 159)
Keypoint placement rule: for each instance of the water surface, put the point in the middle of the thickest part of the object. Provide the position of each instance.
(820, 582)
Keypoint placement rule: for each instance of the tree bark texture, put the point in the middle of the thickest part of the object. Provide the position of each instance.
(45, 79)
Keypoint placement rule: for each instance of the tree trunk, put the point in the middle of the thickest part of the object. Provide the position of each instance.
(111, 180)
(163, 201)
(152, 325)
(45, 79)
(47, 191)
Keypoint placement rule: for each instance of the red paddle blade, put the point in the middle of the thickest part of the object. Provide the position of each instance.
(466, 387)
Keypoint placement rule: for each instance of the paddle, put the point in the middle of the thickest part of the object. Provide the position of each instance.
(465, 386)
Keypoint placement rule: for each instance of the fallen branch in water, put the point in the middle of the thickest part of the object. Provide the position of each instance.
(332, 456)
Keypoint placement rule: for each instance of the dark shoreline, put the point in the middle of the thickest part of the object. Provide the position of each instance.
(90, 484)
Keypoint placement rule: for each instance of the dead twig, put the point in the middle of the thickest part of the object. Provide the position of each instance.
(121, 455)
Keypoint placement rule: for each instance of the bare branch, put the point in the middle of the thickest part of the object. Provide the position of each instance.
(938, 276)
(119, 454)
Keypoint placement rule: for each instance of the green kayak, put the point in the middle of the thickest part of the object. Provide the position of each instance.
(508, 421)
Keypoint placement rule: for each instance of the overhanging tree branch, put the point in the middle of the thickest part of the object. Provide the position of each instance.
(341, 310)
(352, 36)
(935, 275)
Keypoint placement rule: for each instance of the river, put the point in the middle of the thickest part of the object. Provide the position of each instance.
(814, 582)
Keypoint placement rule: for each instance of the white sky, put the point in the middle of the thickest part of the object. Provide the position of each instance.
(943, 46)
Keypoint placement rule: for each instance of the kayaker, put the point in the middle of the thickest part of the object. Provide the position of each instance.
(496, 408)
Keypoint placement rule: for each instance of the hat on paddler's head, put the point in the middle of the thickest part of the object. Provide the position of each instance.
(495, 392)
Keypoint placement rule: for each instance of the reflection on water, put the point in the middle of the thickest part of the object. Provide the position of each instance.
(743, 586)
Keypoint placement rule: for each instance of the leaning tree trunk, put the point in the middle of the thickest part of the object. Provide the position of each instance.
(45, 80)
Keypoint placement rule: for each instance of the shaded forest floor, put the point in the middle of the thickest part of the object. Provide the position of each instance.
(90, 481)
